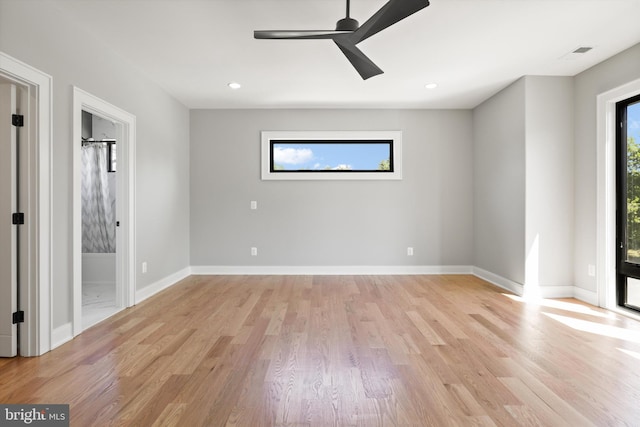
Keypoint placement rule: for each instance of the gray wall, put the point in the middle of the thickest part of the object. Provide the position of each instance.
(549, 181)
(499, 182)
(616, 71)
(462, 200)
(38, 34)
(523, 177)
(331, 223)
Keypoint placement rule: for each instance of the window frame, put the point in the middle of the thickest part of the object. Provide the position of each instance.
(347, 137)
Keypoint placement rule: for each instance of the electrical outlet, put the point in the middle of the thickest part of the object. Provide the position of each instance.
(591, 269)
(254, 205)
(409, 251)
(144, 267)
(254, 251)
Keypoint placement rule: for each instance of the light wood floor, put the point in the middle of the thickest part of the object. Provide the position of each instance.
(341, 351)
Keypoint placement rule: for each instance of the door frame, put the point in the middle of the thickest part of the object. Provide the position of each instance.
(36, 288)
(606, 238)
(125, 253)
(11, 95)
(625, 268)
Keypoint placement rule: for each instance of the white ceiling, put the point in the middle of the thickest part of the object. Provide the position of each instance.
(471, 48)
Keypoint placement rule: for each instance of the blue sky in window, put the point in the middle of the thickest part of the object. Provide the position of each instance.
(335, 156)
(633, 121)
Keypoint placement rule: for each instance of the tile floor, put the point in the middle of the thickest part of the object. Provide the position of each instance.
(98, 303)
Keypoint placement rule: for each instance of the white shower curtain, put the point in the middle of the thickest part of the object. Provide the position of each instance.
(98, 209)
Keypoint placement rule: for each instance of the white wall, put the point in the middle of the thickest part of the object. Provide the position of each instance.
(331, 223)
(38, 34)
(99, 269)
(616, 71)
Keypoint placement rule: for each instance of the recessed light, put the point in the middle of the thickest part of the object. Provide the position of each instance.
(234, 85)
(431, 85)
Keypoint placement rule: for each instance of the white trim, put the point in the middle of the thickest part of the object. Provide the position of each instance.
(38, 308)
(543, 291)
(161, 284)
(267, 136)
(626, 312)
(557, 291)
(329, 270)
(590, 297)
(61, 335)
(499, 281)
(84, 101)
(606, 192)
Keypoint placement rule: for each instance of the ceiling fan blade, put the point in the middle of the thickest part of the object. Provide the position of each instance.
(392, 12)
(298, 35)
(363, 65)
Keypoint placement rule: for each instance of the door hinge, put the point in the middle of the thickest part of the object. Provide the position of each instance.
(18, 218)
(18, 317)
(17, 120)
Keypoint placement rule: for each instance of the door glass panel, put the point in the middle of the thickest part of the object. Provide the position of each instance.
(633, 183)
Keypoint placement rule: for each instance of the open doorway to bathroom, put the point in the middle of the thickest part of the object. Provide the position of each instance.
(103, 210)
(99, 206)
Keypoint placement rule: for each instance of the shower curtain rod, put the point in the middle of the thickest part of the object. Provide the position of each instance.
(103, 141)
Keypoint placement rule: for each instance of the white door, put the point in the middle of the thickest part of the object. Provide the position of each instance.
(8, 231)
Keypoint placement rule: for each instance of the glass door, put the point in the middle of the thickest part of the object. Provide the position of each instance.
(628, 202)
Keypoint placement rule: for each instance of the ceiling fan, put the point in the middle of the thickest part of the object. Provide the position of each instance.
(349, 33)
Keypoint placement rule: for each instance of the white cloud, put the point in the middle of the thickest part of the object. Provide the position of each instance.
(343, 167)
(292, 156)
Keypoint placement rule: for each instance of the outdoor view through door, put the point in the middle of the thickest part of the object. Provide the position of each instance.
(628, 202)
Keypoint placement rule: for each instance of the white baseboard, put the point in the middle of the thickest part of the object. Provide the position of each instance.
(590, 297)
(499, 281)
(61, 335)
(330, 270)
(154, 288)
(557, 291)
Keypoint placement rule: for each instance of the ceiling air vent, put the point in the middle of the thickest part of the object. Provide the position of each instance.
(583, 49)
(576, 54)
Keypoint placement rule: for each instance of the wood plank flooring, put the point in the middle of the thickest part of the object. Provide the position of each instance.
(341, 351)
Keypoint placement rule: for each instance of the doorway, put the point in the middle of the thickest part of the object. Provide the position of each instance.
(103, 213)
(628, 202)
(99, 208)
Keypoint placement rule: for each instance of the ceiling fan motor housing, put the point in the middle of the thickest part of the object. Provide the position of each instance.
(347, 24)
